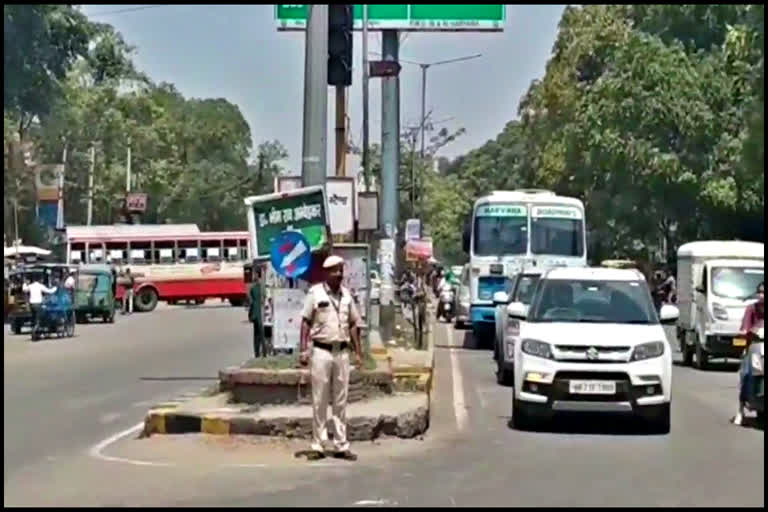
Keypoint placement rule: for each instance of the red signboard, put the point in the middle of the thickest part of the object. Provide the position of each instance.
(136, 202)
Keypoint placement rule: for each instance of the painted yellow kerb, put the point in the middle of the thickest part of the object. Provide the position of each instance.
(215, 425)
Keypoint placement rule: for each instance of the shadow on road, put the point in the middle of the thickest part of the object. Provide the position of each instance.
(468, 342)
(726, 367)
(591, 424)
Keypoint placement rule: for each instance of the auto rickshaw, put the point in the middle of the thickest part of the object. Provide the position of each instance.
(20, 314)
(94, 295)
(56, 316)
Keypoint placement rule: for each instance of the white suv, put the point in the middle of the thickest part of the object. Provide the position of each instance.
(592, 342)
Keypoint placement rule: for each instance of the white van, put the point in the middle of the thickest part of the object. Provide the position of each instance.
(716, 280)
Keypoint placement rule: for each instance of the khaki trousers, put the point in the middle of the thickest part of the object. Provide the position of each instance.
(330, 383)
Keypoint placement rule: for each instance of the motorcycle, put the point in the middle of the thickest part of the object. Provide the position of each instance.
(752, 369)
(446, 304)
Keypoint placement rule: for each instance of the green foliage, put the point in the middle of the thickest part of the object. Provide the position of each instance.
(651, 114)
(194, 157)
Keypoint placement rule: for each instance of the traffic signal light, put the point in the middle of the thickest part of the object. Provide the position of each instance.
(340, 24)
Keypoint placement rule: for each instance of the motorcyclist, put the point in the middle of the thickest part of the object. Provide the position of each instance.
(667, 288)
(754, 316)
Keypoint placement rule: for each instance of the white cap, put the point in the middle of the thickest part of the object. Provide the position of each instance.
(333, 261)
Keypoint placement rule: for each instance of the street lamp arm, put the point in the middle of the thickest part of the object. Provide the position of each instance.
(460, 59)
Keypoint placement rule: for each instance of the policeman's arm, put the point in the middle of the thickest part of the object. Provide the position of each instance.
(306, 320)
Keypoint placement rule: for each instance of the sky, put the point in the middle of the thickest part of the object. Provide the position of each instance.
(235, 52)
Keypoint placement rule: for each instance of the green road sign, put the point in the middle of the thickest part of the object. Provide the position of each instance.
(298, 210)
(428, 18)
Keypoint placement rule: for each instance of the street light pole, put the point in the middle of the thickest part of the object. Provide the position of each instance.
(366, 170)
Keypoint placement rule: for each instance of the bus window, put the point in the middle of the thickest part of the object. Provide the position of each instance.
(76, 256)
(189, 251)
(117, 256)
(244, 253)
(232, 254)
(96, 256)
(138, 256)
(164, 252)
(211, 250)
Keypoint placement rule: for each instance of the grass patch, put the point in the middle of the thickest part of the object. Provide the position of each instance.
(291, 362)
(276, 362)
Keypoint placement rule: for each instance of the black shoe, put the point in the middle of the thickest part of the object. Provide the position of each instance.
(313, 455)
(345, 455)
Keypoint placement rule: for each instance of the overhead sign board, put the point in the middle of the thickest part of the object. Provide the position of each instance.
(416, 18)
(301, 210)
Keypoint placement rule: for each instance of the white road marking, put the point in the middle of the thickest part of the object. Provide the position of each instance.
(459, 402)
(96, 450)
(374, 502)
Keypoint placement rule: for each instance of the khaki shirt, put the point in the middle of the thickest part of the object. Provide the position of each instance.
(330, 316)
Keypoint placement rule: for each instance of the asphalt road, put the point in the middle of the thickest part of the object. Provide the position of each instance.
(470, 456)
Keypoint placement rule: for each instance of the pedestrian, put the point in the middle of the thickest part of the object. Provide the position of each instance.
(36, 289)
(128, 295)
(331, 323)
(254, 314)
(69, 285)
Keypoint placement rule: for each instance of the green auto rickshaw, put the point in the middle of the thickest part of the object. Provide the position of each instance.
(95, 293)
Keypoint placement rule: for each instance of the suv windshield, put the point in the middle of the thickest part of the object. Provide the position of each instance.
(526, 285)
(618, 302)
(736, 283)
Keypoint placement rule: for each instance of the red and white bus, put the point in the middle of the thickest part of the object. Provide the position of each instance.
(170, 262)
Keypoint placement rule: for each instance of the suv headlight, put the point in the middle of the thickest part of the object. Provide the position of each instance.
(719, 312)
(536, 348)
(648, 351)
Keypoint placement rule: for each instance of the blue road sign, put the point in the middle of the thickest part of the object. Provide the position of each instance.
(290, 254)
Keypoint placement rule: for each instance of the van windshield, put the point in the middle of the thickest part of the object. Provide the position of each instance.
(736, 283)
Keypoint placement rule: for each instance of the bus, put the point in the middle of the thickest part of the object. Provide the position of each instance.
(514, 230)
(170, 262)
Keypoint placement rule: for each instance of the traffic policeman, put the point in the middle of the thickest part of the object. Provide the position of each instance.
(331, 325)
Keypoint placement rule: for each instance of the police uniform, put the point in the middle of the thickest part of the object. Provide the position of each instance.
(330, 317)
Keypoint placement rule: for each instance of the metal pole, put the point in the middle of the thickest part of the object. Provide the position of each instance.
(128, 168)
(366, 170)
(60, 209)
(424, 68)
(90, 184)
(341, 129)
(390, 166)
(314, 145)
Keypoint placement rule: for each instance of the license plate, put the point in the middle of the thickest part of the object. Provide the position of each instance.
(592, 387)
(739, 342)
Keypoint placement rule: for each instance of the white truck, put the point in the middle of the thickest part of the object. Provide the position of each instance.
(716, 281)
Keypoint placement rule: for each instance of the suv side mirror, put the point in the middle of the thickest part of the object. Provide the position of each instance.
(669, 314)
(500, 298)
(518, 311)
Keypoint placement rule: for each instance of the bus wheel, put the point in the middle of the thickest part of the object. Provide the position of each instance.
(146, 300)
(237, 302)
(198, 302)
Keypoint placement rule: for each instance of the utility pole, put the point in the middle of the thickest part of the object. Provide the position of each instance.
(390, 167)
(128, 167)
(314, 144)
(90, 184)
(341, 131)
(366, 167)
(60, 208)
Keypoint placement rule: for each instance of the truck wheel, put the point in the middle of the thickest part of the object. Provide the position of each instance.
(686, 349)
(702, 358)
(146, 300)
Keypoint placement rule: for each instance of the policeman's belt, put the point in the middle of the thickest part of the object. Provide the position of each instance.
(343, 345)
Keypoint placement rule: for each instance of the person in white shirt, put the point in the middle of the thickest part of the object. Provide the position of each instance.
(36, 290)
(69, 285)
